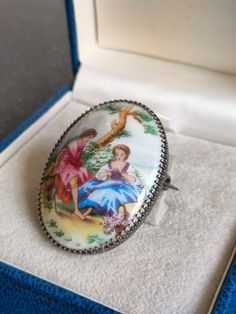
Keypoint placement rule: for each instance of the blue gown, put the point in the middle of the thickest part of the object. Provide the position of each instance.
(105, 196)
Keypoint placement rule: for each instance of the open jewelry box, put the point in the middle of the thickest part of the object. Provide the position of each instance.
(179, 59)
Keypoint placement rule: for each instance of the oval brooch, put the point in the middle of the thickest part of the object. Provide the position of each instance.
(103, 177)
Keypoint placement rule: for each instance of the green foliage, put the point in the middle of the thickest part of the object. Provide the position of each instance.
(150, 129)
(52, 223)
(123, 133)
(91, 238)
(91, 149)
(50, 205)
(59, 233)
(95, 238)
(67, 208)
(94, 157)
(113, 109)
(145, 117)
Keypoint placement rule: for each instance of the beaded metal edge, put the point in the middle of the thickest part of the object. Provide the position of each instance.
(150, 199)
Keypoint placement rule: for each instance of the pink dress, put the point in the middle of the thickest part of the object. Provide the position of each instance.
(70, 165)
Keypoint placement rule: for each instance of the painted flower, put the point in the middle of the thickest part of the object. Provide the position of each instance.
(117, 223)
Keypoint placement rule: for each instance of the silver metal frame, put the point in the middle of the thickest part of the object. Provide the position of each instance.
(139, 218)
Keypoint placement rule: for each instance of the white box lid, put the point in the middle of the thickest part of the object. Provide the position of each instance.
(122, 49)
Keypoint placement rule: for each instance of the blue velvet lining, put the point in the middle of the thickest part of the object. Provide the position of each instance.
(226, 301)
(72, 34)
(21, 292)
(37, 114)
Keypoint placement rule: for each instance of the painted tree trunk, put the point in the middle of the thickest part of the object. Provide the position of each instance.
(116, 126)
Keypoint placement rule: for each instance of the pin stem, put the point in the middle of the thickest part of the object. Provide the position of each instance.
(167, 185)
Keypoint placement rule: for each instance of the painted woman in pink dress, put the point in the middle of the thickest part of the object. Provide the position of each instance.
(69, 168)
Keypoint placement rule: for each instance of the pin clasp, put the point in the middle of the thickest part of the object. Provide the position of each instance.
(167, 184)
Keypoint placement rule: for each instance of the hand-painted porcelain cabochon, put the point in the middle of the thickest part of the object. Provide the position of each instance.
(102, 177)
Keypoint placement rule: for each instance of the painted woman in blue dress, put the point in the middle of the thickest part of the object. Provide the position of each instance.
(114, 185)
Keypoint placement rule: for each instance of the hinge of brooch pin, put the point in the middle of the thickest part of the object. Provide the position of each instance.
(167, 184)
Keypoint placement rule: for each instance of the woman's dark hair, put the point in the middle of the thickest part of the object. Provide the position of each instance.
(88, 132)
(122, 147)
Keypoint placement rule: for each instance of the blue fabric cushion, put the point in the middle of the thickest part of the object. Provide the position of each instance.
(21, 292)
(226, 301)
